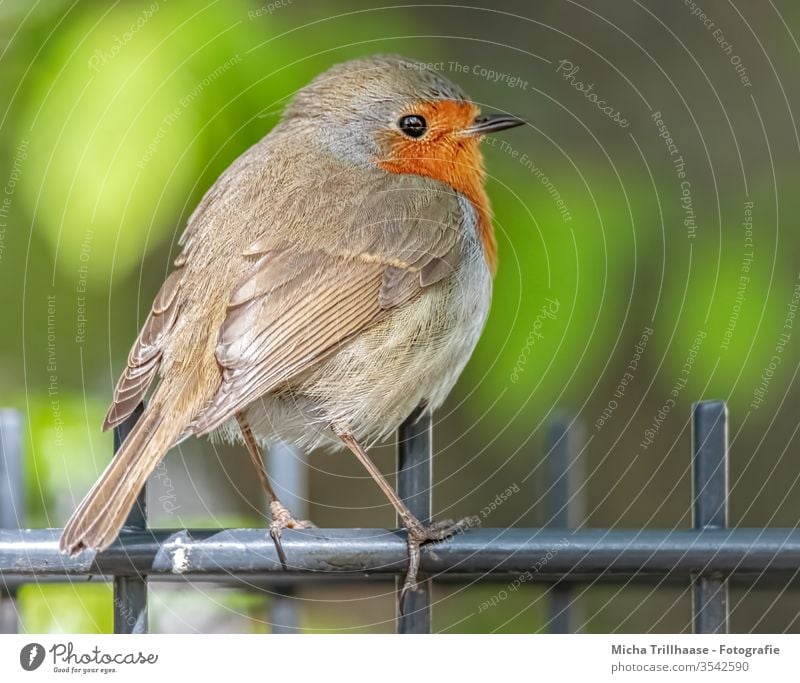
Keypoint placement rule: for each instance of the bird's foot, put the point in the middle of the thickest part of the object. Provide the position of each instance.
(418, 535)
(282, 519)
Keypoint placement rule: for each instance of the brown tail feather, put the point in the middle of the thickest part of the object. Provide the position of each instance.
(101, 514)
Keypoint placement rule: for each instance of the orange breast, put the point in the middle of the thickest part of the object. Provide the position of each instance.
(451, 158)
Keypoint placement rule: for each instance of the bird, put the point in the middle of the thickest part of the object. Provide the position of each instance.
(332, 281)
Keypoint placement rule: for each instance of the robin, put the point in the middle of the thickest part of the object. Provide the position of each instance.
(335, 278)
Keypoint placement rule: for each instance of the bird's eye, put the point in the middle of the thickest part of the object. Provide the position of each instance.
(414, 126)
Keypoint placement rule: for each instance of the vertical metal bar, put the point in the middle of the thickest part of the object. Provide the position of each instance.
(12, 504)
(564, 506)
(414, 486)
(130, 592)
(288, 472)
(710, 509)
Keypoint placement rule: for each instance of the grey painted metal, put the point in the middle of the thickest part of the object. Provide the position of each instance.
(12, 491)
(564, 500)
(273, 581)
(288, 470)
(130, 591)
(710, 509)
(283, 613)
(613, 554)
(711, 554)
(12, 505)
(415, 486)
(564, 506)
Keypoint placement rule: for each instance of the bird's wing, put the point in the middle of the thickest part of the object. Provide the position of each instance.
(144, 360)
(145, 356)
(295, 307)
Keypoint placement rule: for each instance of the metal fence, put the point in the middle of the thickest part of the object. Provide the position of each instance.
(710, 555)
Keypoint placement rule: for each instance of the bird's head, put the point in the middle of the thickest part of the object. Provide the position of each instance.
(398, 114)
(401, 116)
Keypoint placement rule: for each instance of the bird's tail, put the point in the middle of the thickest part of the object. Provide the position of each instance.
(101, 514)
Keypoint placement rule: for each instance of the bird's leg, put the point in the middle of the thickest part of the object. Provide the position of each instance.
(281, 517)
(418, 533)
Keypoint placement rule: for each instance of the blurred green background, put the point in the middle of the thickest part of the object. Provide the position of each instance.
(116, 118)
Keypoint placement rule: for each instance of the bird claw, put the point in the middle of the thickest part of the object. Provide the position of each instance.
(282, 519)
(419, 535)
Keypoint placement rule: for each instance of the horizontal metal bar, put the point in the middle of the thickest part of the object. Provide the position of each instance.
(272, 582)
(541, 552)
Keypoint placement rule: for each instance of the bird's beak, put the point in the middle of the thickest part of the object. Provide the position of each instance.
(493, 123)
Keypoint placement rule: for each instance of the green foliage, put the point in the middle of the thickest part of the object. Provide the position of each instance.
(68, 608)
(493, 608)
(120, 143)
(65, 453)
(556, 313)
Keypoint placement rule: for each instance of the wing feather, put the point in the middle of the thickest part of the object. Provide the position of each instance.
(294, 307)
(145, 356)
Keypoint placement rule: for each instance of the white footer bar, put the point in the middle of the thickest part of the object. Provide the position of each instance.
(397, 659)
